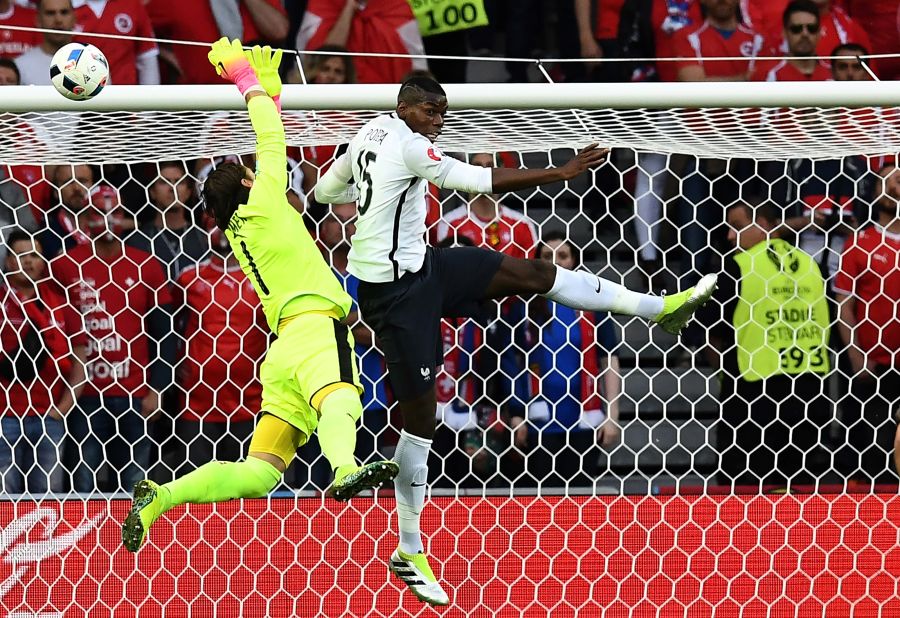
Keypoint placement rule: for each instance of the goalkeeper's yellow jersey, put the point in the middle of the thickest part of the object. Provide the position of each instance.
(271, 242)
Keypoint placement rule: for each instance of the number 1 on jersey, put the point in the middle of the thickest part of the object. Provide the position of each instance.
(363, 161)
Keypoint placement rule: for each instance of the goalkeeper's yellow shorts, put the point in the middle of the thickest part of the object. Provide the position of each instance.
(312, 357)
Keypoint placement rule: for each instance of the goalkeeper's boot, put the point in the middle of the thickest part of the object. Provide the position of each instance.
(679, 308)
(147, 505)
(414, 571)
(349, 482)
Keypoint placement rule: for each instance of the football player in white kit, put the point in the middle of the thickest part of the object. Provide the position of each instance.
(406, 287)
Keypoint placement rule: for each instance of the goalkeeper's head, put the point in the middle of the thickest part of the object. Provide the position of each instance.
(422, 105)
(226, 188)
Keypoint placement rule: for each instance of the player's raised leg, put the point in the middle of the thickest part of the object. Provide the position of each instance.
(588, 292)
(216, 481)
(409, 562)
(337, 437)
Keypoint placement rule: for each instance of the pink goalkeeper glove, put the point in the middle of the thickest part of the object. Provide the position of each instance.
(231, 63)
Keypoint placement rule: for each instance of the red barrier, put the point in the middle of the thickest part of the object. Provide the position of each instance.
(834, 555)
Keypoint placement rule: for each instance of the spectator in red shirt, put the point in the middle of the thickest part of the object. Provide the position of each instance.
(387, 26)
(599, 38)
(867, 287)
(130, 62)
(16, 42)
(837, 27)
(720, 35)
(646, 30)
(876, 18)
(849, 66)
(73, 184)
(34, 64)
(124, 298)
(257, 21)
(802, 32)
(41, 370)
(490, 224)
(225, 339)
(172, 236)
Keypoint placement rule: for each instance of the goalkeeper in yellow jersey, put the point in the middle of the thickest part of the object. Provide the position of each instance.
(309, 377)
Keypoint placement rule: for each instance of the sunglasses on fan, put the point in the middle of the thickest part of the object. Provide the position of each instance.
(798, 28)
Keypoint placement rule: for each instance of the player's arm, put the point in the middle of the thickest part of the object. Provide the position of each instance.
(426, 161)
(255, 73)
(336, 186)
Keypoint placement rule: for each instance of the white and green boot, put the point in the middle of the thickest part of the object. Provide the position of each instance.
(679, 308)
(414, 571)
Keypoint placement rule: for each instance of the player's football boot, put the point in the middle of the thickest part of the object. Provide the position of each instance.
(679, 308)
(146, 507)
(414, 571)
(348, 484)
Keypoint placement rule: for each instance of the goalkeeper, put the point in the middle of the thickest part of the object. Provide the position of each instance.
(309, 376)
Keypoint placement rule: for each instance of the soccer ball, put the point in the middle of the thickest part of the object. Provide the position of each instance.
(79, 71)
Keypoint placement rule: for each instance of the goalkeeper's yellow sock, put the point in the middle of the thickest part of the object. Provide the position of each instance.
(218, 481)
(337, 429)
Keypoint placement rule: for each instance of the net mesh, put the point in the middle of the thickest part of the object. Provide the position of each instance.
(522, 398)
(131, 137)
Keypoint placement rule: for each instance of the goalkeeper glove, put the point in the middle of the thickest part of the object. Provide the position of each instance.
(266, 64)
(230, 62)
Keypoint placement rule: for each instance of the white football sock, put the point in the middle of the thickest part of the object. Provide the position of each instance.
(409, 486)
(588, 292)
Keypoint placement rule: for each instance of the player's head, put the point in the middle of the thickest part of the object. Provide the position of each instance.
(56, 15)
(422, 104)
(848, 67)
(750, 225)
(24, 263)
(226, 188)
(9, 73)
(887, 192)
(555, 247)
(801, 27)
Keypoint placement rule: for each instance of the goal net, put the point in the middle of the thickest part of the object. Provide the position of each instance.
(582, 463)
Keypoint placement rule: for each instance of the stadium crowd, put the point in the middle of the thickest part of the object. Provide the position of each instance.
(131, 339)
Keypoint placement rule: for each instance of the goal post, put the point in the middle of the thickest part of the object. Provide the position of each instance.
(530, 522)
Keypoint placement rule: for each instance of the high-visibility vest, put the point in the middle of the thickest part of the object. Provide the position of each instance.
(781, 321)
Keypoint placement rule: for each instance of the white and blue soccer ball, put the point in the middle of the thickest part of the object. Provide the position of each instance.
(78, 71)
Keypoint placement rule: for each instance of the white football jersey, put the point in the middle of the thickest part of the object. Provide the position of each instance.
(389, 167)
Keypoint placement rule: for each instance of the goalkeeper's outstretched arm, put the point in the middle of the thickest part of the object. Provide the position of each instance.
(255, 73)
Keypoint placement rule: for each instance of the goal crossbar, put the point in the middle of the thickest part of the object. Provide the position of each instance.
(766, 121)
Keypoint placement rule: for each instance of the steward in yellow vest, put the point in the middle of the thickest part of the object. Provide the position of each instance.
(771, 327)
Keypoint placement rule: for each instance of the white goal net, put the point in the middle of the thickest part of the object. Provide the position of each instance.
(582, 463)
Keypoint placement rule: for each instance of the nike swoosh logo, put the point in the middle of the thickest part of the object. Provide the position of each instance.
(599, 284)
(417, 484)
